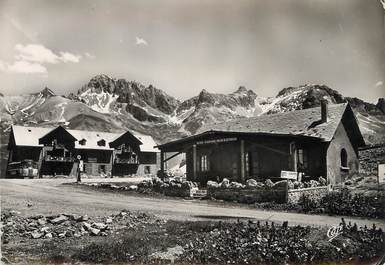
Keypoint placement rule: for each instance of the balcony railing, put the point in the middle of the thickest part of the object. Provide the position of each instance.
(49, 158)
(126, 161)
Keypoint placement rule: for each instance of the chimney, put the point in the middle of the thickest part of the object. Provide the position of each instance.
(324, 110)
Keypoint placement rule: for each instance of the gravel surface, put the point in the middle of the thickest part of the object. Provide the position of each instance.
(51, 197)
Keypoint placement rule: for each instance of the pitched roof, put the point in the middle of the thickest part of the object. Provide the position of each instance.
(29, 136)
(300, 123)
(92, 138)
(148, 143)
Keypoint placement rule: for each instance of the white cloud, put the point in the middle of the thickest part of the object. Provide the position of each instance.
(31, 58)
(40, 54)
(89, 55)
(67, 57)
(35, 53)
(141, 41)
(379, 83)
(23, 67)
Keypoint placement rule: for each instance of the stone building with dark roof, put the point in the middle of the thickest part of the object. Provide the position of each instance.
(321, 141)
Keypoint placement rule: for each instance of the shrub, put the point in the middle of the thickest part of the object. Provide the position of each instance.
(346, 203)
(307, 204)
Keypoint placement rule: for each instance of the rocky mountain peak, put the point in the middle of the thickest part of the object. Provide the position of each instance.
(46, 92)
(205, 97)
(381, 105)
(101, 83)
(118, 103)
(242, 89)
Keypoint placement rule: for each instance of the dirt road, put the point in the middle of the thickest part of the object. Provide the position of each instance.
(50, 196)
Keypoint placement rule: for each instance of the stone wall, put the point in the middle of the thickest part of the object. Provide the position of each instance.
(249, 195)
(370, 158)
(315, 193)
(178, 192)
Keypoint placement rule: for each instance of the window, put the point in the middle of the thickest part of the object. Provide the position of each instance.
(101, 142)
(204, 164)
(102, 169)
(147, 170)
(344, 158)
(302, 159)
(92, 160)
(254, 167)
(247, 164)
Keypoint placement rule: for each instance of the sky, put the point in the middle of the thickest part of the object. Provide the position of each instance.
(184, 46)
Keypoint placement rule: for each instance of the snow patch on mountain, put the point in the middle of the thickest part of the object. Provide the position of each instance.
(100, 102)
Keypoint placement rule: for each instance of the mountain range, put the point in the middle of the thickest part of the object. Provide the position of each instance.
(109, 104)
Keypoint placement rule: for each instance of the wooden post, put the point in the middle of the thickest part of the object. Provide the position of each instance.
(162, 162)
(294, 155)
(194, 162)
(242, 160)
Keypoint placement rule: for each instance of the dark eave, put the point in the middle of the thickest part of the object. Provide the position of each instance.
(177, 143)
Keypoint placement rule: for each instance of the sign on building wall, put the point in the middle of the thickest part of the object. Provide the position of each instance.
(214, 141)
(381, 173)
(289, 175)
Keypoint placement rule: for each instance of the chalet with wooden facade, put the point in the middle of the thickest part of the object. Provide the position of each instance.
(36, 151)
(321, 141)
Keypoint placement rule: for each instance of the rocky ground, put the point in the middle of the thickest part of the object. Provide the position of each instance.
(142, 238)
(45, 222)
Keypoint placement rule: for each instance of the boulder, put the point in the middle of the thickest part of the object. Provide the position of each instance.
(322, 181)
(156, 180)
(44, 229)
(212, 184)
(108, 220)
(133, 187)
(86, 226)
(236, 185)
(66, 223)
(225, 183)
(13, 212)
(59, 220)
(74, 217)
(36, 234)
(145, 184)
(348, 182)
(42, 221)
(269, 183)
(100, 226)
(48, 235)
(94, 231)
(290, 184)
(82, 218)
(187, 185)
(251, 183)
(314, 183)
(296, 184)
(122, 213)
